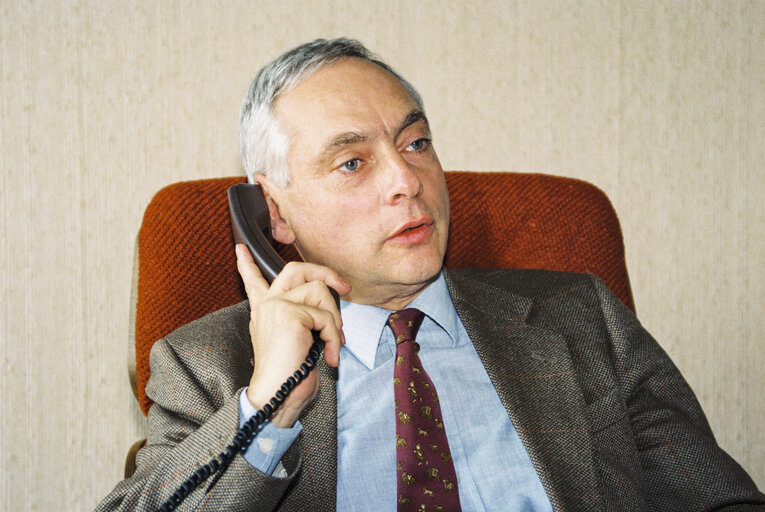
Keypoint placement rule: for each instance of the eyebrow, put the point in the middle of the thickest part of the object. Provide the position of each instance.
(348, 138)
(415, 116)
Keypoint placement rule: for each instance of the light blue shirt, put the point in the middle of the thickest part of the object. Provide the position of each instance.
(494, 471)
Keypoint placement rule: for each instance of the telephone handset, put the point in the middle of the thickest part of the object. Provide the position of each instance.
(252, 227)
(251, 224)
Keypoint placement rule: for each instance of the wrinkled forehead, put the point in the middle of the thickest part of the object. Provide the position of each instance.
(350, 94)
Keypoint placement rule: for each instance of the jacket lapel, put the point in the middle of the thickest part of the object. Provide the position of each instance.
(533, 374)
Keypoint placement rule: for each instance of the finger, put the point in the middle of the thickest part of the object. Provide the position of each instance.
(322, 321)
(255, 284)
(297, 273)
(315, 294)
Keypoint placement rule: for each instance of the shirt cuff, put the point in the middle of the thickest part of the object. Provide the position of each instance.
(270, 443)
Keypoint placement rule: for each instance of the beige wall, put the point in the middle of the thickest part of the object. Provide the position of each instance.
(661, 104)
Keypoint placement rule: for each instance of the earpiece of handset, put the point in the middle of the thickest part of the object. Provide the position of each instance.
(251, 224)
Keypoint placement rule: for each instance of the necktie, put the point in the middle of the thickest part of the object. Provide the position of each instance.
(425, 473)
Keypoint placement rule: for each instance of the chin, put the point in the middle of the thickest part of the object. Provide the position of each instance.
(421, 274)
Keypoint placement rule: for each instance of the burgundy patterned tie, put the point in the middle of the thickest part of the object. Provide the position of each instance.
(424, 469)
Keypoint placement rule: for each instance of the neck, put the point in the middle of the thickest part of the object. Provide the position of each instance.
(393, 299)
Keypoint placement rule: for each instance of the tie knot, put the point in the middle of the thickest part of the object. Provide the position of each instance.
(405, 324)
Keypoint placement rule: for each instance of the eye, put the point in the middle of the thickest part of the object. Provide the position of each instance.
(351, 165)
(419, 144)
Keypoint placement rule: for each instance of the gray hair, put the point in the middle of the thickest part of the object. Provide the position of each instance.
(262, 141)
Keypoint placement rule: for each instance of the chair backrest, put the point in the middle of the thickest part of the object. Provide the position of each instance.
(186, 263)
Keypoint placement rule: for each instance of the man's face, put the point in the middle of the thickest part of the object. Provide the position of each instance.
(367, 195)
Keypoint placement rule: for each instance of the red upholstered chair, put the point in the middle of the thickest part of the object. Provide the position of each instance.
(185, 251)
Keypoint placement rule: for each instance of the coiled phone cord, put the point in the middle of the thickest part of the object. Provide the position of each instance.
(246, 434)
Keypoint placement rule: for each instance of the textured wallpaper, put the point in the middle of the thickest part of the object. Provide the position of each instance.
(660, 104)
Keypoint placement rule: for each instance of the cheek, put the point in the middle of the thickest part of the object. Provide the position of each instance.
(357, 221)
(438, 196)
(347, 223)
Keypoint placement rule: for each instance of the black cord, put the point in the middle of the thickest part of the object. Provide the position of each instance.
(246, 434)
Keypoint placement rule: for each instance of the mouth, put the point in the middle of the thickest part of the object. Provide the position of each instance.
(413, 232)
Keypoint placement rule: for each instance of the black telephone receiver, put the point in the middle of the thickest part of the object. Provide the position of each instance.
(252, 227)
(251, 224)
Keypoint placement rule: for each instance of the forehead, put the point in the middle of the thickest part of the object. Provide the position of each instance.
(348, 95)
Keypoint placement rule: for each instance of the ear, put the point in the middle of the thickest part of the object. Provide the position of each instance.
(280, 229)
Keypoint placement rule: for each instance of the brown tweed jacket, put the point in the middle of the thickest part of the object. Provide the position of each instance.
(609, 422)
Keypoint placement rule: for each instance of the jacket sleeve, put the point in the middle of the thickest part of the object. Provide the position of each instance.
(194, 384)
(682, 465)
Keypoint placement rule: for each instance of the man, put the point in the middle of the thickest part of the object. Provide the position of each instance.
(549, 393)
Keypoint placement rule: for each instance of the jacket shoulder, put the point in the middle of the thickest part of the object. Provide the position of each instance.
(228, 325)
(563, 301)
(535, 284)
(210, 356)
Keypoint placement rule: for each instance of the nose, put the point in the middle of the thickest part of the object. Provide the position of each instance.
(401, 180)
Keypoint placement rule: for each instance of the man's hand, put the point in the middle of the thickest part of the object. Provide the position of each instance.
(282, 317)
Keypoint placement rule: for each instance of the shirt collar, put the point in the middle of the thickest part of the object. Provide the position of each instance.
(363, 324)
